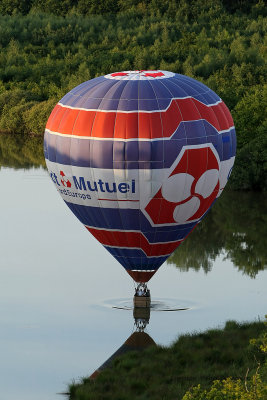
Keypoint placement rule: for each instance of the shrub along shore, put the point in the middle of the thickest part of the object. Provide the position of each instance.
(47, 48)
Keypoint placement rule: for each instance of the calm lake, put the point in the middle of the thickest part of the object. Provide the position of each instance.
(58, 285)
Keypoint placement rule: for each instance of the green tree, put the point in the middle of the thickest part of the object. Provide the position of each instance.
(15, 6)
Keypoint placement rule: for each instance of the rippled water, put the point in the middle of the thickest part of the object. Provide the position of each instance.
(66, 304)
(156, 304)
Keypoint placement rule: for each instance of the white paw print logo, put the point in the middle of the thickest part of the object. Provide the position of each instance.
(189, 191)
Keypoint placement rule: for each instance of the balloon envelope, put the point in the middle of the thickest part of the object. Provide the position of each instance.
(139, 157)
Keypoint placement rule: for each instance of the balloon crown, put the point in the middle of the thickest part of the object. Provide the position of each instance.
(140, 75)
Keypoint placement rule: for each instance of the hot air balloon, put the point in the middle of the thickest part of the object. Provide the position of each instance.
(139, 157)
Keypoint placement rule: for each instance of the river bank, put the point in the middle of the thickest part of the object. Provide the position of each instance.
(159, 373)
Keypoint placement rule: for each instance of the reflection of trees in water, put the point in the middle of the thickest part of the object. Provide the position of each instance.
(236, 227)
(21, 151)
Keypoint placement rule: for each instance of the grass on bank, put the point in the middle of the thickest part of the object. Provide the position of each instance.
(161, 373)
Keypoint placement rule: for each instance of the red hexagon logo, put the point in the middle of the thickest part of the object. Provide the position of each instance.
(189, 190)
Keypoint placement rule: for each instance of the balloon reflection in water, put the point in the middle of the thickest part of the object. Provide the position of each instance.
(139, 157)
(137, 341)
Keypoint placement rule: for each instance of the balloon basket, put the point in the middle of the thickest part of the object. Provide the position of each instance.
(141, 309)
(142, 297)
(142, 301)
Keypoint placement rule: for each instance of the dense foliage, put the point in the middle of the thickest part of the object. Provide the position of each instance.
(167, 373)
(49, 47)
(87, 7)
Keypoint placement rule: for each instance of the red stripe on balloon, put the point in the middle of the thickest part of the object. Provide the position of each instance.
(133, 240)
(132, 125)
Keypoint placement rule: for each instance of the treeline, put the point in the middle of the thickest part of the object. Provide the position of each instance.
(88, 7)
(48, 48)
